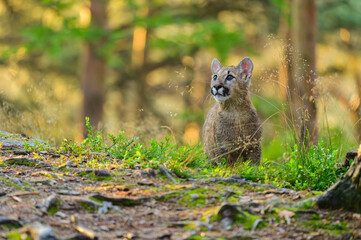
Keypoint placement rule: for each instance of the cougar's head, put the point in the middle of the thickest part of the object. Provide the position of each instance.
(230, 82)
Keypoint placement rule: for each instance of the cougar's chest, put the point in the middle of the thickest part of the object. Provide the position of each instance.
(231, 125)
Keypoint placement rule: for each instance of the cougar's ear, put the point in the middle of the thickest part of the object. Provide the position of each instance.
(245, 67)
(216, 65)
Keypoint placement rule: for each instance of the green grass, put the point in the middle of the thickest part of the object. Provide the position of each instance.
(315, 168)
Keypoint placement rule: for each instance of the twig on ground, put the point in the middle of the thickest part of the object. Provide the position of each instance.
(131, 201)
(89, 233)
(23, 194)
(166, 172)
(16, 198)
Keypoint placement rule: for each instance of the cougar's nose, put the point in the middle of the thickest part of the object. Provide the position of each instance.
(217, 86)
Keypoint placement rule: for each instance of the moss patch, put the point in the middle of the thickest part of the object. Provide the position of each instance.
(16, 236)
(195, 197)
(93, 177)
(21, 161)
(54, 208)
(338, 227)
(8, 182)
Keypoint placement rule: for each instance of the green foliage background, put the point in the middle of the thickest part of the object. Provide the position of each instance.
(42, 54)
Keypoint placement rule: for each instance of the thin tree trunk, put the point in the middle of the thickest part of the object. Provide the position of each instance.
(93, 75)
(358, 109)
(304, 41)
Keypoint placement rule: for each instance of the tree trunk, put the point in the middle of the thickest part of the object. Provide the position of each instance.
(93, 76)
(304, 40)
(140, 63)
(358, 109)
(346, 193)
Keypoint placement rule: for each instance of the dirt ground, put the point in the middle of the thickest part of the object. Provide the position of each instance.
(50, 196)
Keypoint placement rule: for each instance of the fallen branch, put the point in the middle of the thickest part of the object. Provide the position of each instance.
(130, 201)
(16, 198)
(23, 194)
(87, 232)
(166, 172)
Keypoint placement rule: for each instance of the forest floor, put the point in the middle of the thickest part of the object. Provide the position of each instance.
(47, 195)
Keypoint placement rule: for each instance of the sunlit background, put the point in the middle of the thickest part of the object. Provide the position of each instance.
(150, 64)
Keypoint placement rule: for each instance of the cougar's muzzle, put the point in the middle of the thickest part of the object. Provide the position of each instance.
(220, 90)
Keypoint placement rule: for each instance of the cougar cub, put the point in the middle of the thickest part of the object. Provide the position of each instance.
(232, 129)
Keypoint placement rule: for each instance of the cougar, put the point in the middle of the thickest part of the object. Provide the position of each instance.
(232, 129)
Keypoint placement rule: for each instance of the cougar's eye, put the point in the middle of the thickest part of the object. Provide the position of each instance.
(214, 77)
(229, 77)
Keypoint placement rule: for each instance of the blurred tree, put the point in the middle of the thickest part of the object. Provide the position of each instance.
(175, 49)
(286, 76)
(94, 67)
(137, 56)
(304, 42)
(336, 14)
(344, 19)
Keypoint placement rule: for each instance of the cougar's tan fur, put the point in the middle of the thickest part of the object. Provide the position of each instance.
(232, 129)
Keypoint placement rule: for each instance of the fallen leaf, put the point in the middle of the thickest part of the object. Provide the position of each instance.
(286, 213)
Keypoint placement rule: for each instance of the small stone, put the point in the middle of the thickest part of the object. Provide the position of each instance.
(41, 181)
(51, 204)
(61, 215)
(104, 228)
(79, 236)
(278, 202)
(21, 161)
(9, 222)
(194, 196)
(90, 205)
(70, 193)
(227, 223)
(39, 231)
(105, 207)
(71, 164)
(145, 183)
(227, 194)
(129, 235)
(21, 152)
(53, 182)
(121, 201)
(136, 174)
(270, 195)
(236, 177)
(102, 173)
(97, 153)
(149, 172)
(297, 197)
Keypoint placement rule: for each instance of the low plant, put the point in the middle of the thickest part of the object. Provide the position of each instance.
(317, 168)
(312, 168)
